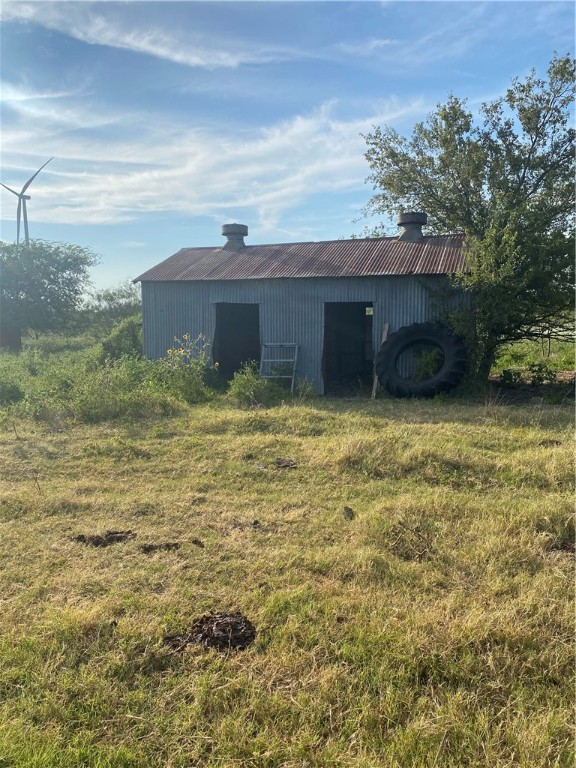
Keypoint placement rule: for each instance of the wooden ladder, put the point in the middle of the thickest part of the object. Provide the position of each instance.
(278, 361)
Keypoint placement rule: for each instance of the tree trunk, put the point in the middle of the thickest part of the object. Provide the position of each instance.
(11, 339)
(485, 363)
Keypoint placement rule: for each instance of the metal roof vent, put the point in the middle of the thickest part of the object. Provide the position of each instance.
(235, 234)
(412, 223)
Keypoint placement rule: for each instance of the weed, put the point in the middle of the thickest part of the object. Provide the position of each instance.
(187, 371)
(248, 390)
(304, 390)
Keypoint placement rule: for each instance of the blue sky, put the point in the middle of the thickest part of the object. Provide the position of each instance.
(168, 119)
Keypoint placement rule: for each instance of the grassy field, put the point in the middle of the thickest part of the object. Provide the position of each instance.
(431, 625)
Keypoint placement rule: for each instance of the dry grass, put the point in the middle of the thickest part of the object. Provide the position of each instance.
(433, 628)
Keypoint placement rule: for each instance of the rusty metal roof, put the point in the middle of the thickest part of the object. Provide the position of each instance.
(334, 258)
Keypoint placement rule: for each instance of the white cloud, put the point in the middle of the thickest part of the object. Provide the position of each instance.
(21, 93)
(165, 167)
(104, 24)
(51, 109)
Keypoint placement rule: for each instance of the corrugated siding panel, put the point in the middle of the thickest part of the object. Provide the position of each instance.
(171, 310)
(290, 310)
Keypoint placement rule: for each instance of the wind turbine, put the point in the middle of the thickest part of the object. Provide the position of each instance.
(22, 198)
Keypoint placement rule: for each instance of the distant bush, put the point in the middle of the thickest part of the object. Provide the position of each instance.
(122, 388)
(54, 343)
(540, 373)
(88, 386)
(534, 374)
(104, 309)
(10, 392)
(125, 339)
(558, 356)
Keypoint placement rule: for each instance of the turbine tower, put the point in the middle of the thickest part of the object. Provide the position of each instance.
(22, 198)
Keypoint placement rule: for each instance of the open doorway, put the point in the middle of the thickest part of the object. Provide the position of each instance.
(237, 337)
(348, 356)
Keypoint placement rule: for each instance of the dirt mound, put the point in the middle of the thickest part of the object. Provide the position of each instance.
(286, 463)
(222, 631)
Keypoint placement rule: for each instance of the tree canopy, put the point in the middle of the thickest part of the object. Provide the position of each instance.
(505, 178)
(41, 286)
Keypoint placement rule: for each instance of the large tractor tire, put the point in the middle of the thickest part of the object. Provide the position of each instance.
(448, 375)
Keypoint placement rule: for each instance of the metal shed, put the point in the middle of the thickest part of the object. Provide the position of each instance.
(331, 299)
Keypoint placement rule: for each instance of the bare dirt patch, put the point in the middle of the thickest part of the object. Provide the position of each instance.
(105, 539)
(165, 546)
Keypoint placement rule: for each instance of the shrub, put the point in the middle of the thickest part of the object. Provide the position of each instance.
(248, 390)
(79, 387)
(428, 360)
(10, 392)
(535, 374)
(188, 372)
(510, 377)
(119, 388)
(91, 387)
(125, 339)
(540, 373)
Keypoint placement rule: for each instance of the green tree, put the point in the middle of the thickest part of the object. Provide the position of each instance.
(506, 180)
(41, 286)
(104, 309)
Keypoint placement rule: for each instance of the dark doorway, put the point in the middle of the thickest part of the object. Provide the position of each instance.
(348, 355)
(237, 337)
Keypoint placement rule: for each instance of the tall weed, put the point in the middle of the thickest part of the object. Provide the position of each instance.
(120, 388)
(248, 390)
(91, 386)
(188, 372)
(79, 387)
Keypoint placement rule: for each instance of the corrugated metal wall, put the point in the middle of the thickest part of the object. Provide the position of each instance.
(290, 310)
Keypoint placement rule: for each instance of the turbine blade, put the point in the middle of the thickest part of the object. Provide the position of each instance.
(10, 190)
(31, 179)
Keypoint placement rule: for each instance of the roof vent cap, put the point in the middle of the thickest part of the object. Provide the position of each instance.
(411, 223)
(235, 234)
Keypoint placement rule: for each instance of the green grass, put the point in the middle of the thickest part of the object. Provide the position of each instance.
(55, 343)
(558, 355)
(434, 628)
